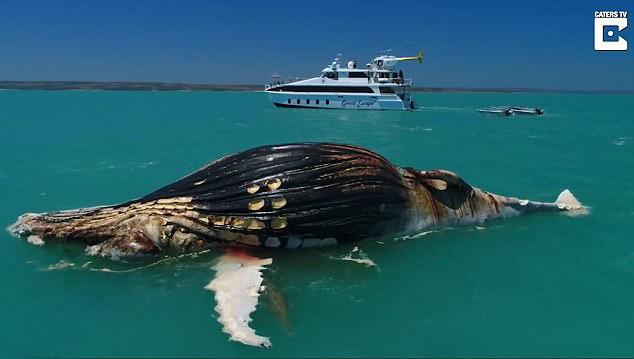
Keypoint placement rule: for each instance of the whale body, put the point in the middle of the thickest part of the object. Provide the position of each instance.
(277, 197)
(283, 196)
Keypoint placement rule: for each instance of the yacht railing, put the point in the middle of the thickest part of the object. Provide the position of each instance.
(398, 81)
(280, 82)
(273, 84)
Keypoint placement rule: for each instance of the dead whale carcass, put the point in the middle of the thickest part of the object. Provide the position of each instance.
(284, 196)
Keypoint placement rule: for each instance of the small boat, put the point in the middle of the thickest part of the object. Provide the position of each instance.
(510, 110)
(506, 111)
(527, 110)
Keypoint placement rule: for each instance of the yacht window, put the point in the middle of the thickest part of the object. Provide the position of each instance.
(298, 101)
(327, 102)
(320, 88)
(386, 89)
(331, 75)
(317, 101)
(307, 101)
(358, 75)
(289, 100)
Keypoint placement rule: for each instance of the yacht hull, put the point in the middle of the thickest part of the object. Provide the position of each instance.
(337, 101)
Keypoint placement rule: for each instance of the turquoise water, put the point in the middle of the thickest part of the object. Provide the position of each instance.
(539, 285)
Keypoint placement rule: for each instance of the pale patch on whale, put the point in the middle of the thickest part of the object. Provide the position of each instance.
(237, 286)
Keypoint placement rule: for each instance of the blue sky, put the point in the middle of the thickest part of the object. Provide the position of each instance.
(533, 44)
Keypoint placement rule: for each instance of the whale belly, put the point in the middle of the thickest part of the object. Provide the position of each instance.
(292, 196)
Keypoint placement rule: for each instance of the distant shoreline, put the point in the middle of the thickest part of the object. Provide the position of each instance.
(170, 86)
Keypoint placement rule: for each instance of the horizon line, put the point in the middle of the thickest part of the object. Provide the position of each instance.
(184, 86)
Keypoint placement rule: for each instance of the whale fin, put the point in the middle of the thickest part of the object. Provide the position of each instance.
(438, 184)
(446, 187)
(567, 201)
(237, 286)
(277, 305)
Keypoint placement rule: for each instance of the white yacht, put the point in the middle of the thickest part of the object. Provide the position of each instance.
(379, 86)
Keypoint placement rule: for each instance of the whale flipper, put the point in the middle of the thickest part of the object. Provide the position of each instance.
(237, 286)
(277, 304)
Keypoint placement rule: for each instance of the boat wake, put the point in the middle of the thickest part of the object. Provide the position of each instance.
(442, 108)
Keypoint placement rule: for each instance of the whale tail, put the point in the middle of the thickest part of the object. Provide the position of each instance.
(567, 201)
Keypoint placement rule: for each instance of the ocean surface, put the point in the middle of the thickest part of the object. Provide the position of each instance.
(538, 285)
